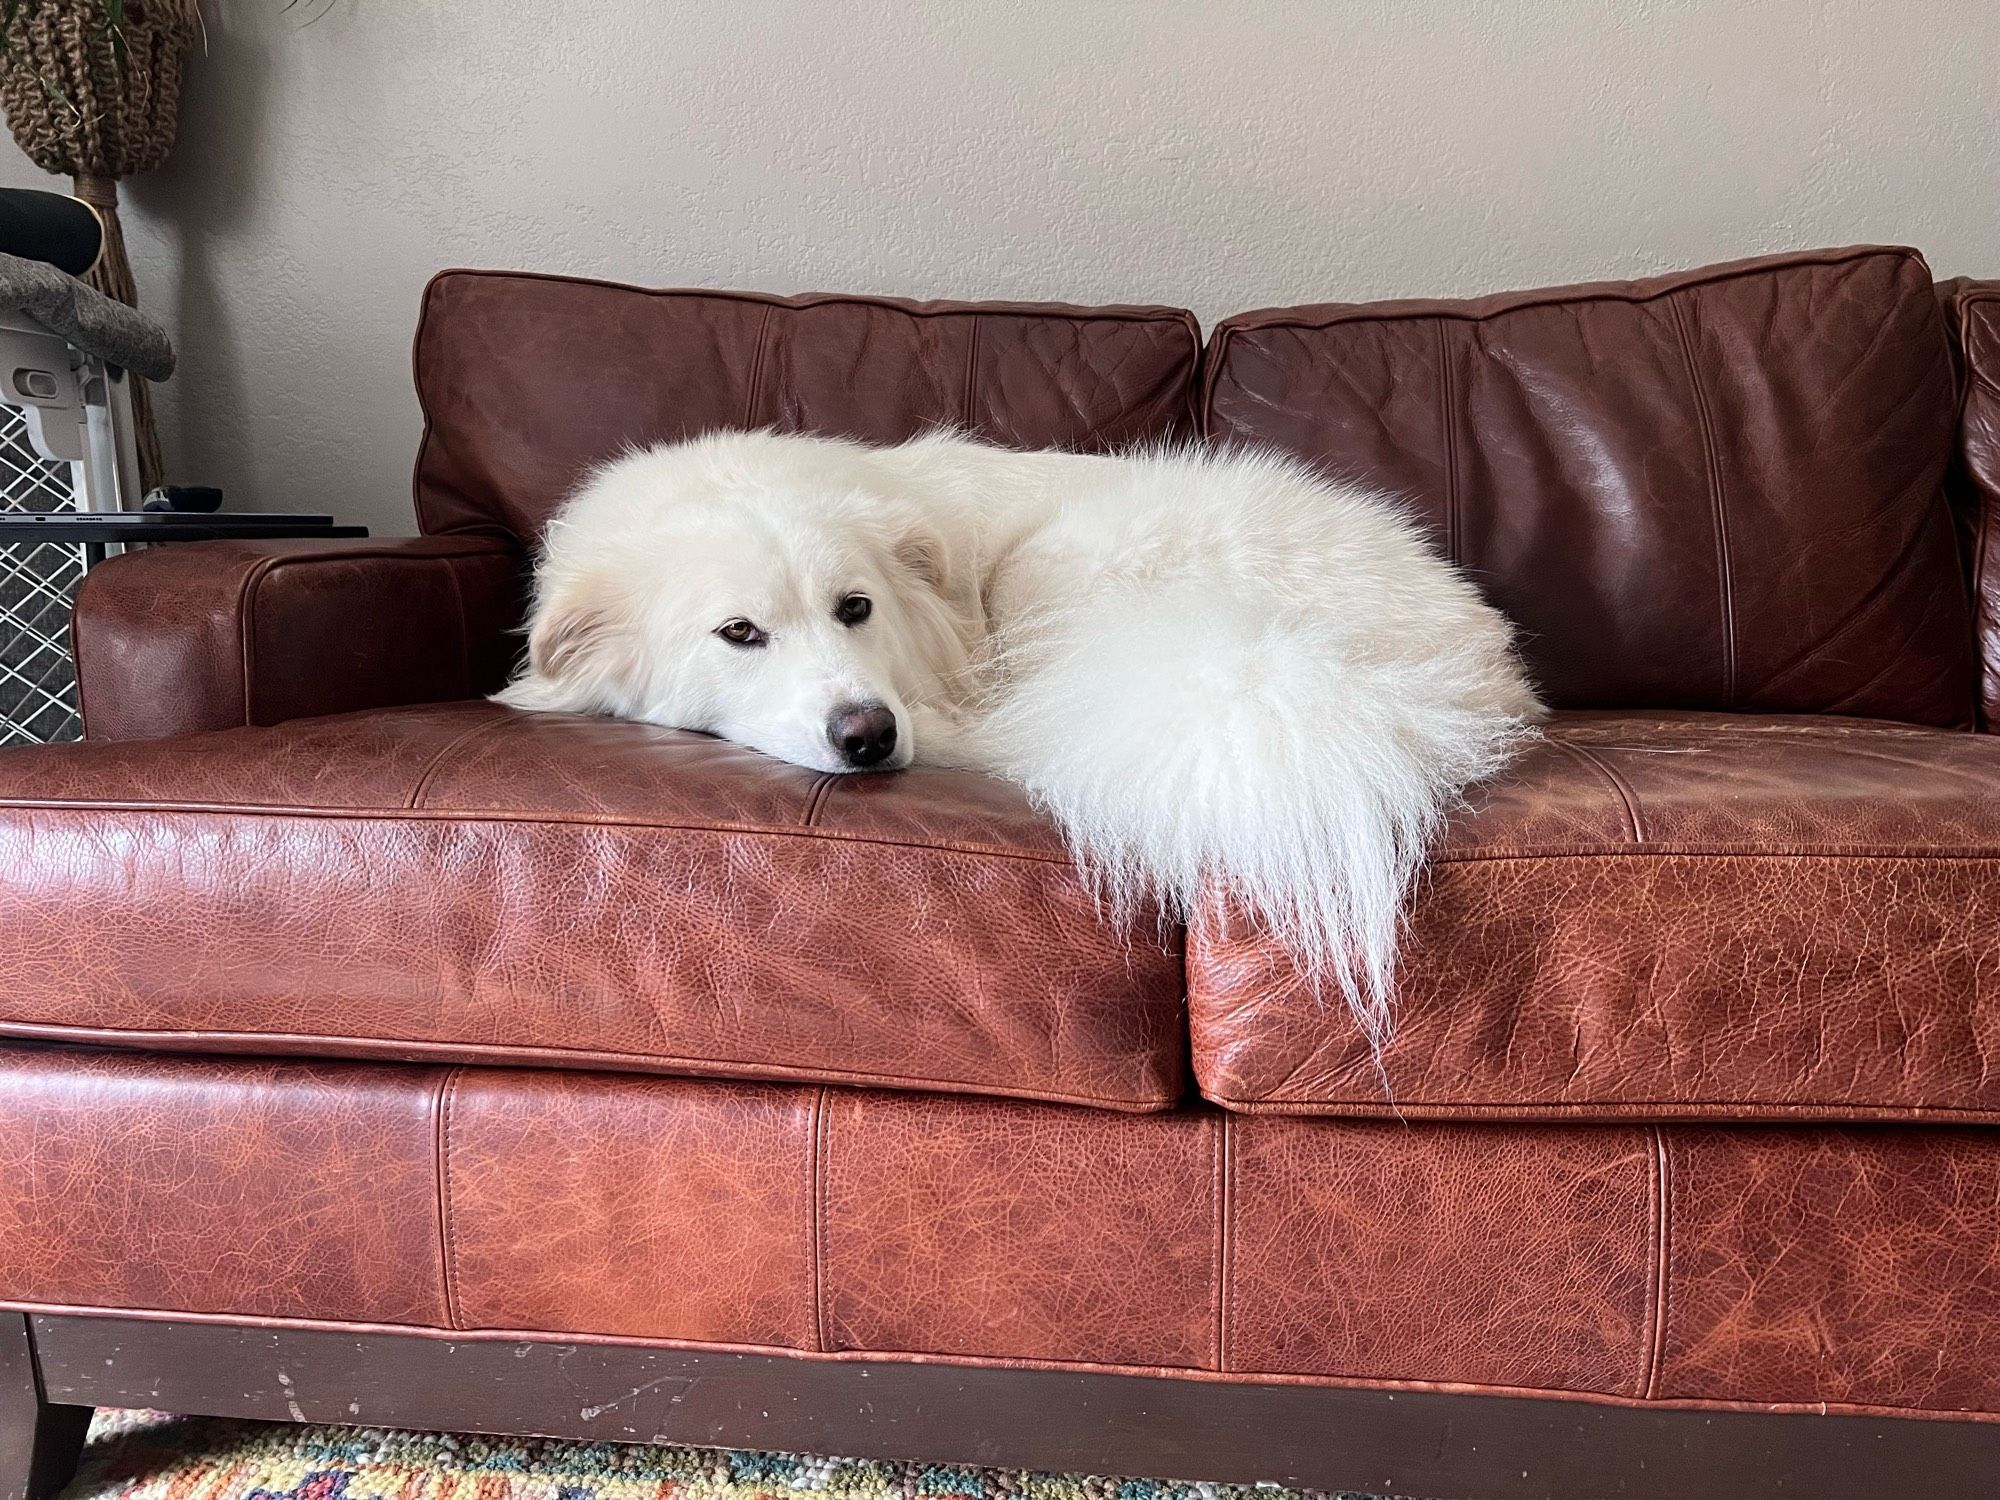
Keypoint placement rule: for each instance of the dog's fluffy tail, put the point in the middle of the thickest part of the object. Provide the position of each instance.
(1294, 753)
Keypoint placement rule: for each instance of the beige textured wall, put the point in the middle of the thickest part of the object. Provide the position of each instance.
(1220, 156)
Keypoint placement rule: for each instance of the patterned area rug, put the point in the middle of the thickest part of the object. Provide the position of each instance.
(151, 1456)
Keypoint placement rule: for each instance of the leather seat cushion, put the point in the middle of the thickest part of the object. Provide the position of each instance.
(1666, 916)
(466, 883)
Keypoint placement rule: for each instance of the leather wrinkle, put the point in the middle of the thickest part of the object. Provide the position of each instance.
(755, 385)
(1718, 498)
(1448, 401)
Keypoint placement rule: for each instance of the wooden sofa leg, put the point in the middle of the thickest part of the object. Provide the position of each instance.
(40, 1442)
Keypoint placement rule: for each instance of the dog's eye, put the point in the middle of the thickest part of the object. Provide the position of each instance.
(853, 609)
(741, 633)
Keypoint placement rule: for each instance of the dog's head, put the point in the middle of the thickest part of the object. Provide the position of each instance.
(775, 591)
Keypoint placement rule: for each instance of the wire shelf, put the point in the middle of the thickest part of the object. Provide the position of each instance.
(37, 586)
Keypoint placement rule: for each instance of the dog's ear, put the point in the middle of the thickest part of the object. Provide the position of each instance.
(945, 604)
(577, 652)
(565, 634)
(922, 552)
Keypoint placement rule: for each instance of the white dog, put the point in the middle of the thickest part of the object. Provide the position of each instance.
(1209, 668)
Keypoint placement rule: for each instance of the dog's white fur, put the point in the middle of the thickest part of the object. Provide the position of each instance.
(1210, 668)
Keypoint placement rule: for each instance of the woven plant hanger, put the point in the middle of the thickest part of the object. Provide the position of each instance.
(97, 105)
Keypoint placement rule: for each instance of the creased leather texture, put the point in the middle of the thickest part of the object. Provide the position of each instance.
(1716, 490)
(1853, 1266)
(470, 883)
(1784, 1245)
(207, 635)
(1973, 311)
(1728, 917)
(528, 381)
(708, 1184)
(280, 1190)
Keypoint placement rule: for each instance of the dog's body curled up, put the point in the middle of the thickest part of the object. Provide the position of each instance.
(1213, 669)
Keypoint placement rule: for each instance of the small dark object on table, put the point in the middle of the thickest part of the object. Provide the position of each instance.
(205, 498)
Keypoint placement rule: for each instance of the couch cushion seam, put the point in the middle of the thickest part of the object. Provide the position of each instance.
(967, 403)
(1548, 1110)
(441, 1149)
(1656, 849)
(816, 801)
(1662, 1257)
(408, 814)
(512, 1053)
(1225, 1199)
(816, 1173)
(1983, 615)
(1624, 793)
(437, 761)
(1212, 361)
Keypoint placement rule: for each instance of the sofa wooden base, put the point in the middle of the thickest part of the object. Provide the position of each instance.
(53, 1369)
(39, 1438)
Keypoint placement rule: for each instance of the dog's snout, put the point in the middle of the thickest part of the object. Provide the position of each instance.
(863, 733)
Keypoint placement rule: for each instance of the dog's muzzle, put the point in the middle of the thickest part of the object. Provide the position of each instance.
(864, 734)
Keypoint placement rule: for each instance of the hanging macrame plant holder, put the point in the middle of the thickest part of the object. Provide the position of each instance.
(98, 100)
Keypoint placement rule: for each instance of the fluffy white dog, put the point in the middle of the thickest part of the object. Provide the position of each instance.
(1210, 668)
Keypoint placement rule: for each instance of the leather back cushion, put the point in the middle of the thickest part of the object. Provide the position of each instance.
(1721, 489)
(1973, 308)
(527, 381)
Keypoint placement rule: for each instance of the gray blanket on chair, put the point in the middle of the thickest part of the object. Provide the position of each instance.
(95, 323)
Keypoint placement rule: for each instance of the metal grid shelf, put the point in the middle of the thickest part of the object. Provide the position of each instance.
(37, 586)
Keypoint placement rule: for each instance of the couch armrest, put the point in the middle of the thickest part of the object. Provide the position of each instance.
(1972, 317)
(211, 635)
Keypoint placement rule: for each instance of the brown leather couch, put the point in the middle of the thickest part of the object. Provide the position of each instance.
(377, 1054)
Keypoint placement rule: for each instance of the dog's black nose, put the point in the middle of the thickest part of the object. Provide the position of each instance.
(864, 734)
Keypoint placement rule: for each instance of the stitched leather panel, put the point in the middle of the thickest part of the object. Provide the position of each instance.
(1722, 489)
(1854, 1267)
(1861, 1264)
(526, 381)
(261, 1189)
(1973, 311)
(473, 884)
(1026, 1234)
(1343, 1239)
(209, 635)
(635, 1206)
(1661, 915)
